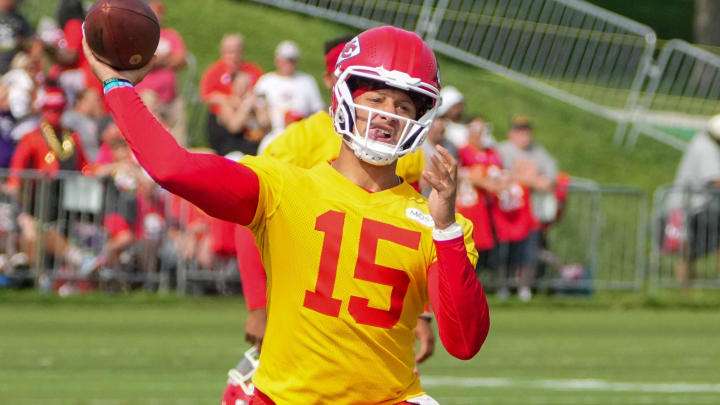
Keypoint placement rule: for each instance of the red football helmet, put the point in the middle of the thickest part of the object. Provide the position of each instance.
(398, 59)
(239, 387)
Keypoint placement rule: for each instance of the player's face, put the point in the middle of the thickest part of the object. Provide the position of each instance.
(384, 128)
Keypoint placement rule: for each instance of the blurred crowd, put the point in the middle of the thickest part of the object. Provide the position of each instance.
(53, 120)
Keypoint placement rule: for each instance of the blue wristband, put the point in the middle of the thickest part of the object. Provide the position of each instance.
(115, 83)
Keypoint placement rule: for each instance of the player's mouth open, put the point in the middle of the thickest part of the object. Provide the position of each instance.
(380, 134)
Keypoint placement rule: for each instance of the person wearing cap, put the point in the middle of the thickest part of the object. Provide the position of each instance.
(48, 149)
(216, 84)
(531, 166)
(290, 95)
(693, 224)
(452, 110)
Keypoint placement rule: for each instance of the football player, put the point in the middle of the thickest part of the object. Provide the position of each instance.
(352, 252)
(307, 143)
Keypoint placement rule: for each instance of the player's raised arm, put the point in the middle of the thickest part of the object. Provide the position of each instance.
(456, 295)
(220, 187)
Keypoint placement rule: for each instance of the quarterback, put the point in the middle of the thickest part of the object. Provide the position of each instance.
(352, 252)
(306, 143)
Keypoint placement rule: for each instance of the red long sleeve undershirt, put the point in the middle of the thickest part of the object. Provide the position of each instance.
(229, 191)
(458, 300)
(218, 186)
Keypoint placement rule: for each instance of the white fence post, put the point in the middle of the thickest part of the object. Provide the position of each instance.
(683, 93)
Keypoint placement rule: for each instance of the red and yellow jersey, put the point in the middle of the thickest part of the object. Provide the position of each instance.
(313, 140)
(347, 279)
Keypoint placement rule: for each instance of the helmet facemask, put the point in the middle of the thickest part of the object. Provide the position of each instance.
(413, 131)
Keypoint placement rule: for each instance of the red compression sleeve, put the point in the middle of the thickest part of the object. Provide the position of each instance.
(456, 295)
(220, 187)
(252, 272)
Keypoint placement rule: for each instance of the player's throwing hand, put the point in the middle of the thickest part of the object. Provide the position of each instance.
(105, 72)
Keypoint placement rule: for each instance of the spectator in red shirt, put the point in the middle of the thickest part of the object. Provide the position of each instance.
(479, 182)
(216, 85)
(243, 120)
(499, 206)
(197, 238)
(134, 207)
(216, 82)
(123, 175)
(48, 149)
(170, 57)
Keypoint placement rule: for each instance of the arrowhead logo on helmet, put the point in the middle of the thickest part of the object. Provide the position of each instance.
(351, 49)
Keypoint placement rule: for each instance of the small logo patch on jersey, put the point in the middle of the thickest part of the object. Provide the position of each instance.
(419, 217)
(351, 50)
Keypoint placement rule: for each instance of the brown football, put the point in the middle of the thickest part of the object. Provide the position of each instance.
(122, 33)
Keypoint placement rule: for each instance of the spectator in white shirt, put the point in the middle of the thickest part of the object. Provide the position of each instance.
(290, 95)
(692, 228)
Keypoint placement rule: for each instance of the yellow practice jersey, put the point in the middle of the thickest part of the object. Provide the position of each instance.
(313, 140)
(347, 279)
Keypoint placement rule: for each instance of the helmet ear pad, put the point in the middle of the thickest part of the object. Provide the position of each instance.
(344, 114)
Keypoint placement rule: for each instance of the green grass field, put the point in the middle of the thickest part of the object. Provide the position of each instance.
(156, 350)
